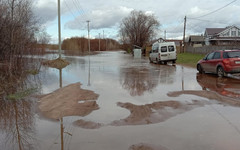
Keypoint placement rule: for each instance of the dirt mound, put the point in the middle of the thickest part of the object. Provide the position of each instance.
(56, 63)
(143, 146)
(87, 124)
(65, 102)
(155, 112)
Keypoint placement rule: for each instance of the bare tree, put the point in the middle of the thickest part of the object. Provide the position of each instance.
(138, 28)
(17, 27)
(43, 38)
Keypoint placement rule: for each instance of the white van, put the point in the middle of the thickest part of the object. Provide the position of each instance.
(163, 52)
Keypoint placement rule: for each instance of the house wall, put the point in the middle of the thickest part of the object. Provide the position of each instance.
(207, 49)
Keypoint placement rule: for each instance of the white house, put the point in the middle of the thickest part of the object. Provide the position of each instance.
(222, 36)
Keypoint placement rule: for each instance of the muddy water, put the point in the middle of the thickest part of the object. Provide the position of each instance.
(140, 106)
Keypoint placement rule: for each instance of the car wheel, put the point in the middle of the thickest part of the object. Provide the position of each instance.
(220, 71)
(199, 68)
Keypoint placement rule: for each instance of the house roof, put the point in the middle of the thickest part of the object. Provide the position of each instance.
(214, 31)
(196, 38)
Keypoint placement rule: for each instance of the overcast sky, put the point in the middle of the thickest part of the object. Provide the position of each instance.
(107, 14)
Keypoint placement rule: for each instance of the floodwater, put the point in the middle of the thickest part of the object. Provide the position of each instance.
(140, 106)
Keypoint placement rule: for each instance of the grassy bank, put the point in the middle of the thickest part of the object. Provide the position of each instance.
(189, 59)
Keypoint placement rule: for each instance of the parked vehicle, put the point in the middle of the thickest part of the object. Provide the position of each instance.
(220, 62)
(163, 52)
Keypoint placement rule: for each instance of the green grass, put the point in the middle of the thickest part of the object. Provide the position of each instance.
(189, 59)
(21, 94)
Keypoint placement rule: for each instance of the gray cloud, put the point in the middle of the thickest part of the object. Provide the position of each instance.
(100, 18)
(170, 13)
(45, 10)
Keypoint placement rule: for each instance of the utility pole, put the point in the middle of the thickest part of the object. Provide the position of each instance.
(106, 44)
(88, 37)
(103, 36)
(99, 41)
(59, 30)
(184, 32)
(165, 35)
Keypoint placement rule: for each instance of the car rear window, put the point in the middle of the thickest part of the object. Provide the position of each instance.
(164, 49)
(234, 54)
(171, 48)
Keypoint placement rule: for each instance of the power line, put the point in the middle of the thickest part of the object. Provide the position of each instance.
(74, 16)
(78, 7)
(215, 10)
(208, 21)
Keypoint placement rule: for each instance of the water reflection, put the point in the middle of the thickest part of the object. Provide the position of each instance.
(17, 120)
(89, 71)
(224, 90)
(139, 79)
(223, 86)
(61, 119)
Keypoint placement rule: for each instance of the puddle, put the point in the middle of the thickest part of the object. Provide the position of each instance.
(112, 101)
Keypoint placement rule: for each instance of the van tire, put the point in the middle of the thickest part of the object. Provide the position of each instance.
(150, 60)
(174, 61)
(165, 62)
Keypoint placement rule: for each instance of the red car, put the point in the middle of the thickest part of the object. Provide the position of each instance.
(220, 62)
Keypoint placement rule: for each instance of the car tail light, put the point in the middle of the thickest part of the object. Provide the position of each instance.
(226, 61)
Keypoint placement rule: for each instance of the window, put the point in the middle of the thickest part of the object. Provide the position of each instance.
(217, 55)
(170, 48)
(155, 48)
(164, 49)
(225, 55)
(234, 33)
(226, 34)
(210, 56)
(235, 54)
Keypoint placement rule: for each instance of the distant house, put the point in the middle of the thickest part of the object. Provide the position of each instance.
(222, 36)
(177, 42)
(196, 41)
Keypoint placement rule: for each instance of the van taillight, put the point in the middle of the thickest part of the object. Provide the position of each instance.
(159, 56)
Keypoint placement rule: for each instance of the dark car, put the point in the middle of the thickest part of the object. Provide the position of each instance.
(220, 62)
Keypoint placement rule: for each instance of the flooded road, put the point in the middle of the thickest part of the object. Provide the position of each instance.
(129, 104)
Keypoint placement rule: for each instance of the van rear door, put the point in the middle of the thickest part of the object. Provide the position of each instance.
(172, 52)
(164, 53)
